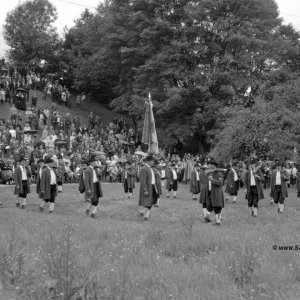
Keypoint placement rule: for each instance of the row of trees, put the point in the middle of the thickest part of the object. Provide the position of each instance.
(224, 75)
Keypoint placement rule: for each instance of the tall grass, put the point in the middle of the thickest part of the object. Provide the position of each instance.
(117, 256)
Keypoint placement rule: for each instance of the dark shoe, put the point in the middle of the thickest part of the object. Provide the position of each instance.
(23, 207)
(146, 219)
(18, 205)
(168, 196)
(217, 224)
(207, 220)
(41, 209)
(93, 216)
(50, 211)
(174, 197)
(141, 214)
(87, 211)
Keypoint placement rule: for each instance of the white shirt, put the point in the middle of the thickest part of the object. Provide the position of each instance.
(252, 179)
(163, 173)
(235, 178)
(125, 174)
(24, 174)
(41, 170)
(174, 174)
(52, 177)
(152, 175)
(278, 178)
(209, 185)
(197, 176)
(13, 133)
(95, 179)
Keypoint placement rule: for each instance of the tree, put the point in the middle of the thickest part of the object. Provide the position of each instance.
(195, 57)
(29, 32)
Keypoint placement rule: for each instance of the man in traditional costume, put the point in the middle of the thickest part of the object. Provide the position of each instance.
(278, 186)
(41, 164)
(93, 190)
(195, 182)
(157, 168)
(128, 179)
(172, 182)
(253, 186)
(147, 187)
(215, 196)
(204, 189)
(22, 182)
(48, 185)
(232, 183)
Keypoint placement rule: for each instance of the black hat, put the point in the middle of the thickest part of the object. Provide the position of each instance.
(23, 158)
(197, 165)
(149, 158)
(212, 162)
(49, 160)
(173, 164)
(59, 156)
(156, 162)
(41, 161)
(93, 158)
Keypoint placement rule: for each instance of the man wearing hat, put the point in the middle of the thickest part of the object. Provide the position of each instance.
(48, 185)
(195, 181)
(93, 190)
(204, 189)
(60, 173)
(232, 182)
(41, 164)
(128, 179)
(156, 168)
(22, 182)
(278, 186)
(253, 186)
(148, 188)
(215, 197)
(172, 184)
(81, 186)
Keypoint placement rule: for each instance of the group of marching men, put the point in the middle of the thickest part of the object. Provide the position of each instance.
(206, 184)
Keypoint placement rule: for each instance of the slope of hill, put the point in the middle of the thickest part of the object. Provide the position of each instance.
(105, 113)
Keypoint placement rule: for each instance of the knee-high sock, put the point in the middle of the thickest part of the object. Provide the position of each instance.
(174, 193)
(255, 211)
(43, 204)
(147, 213)
(281, 207)
(59, 188)
(89, 206)
(18, 200)
(24, 201)
(234, 198)
(94, 209)
(51, 206)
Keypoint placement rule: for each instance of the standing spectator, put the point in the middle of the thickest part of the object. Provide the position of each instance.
(2, 95)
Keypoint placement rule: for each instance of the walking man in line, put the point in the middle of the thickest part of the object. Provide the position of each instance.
(148, 188)
(48, 185)
(22, 182)
(93, 190)
(278, 186)
(253, 186)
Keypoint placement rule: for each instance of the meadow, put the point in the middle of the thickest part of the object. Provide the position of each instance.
(175, 255)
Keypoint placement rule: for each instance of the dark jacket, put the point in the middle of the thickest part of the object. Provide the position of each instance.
(284, 178)
(259, 178)
(145, 177)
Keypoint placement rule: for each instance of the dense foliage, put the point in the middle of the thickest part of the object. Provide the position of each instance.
(30, 34)
(223, 74)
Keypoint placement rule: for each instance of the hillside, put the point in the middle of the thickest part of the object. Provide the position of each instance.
(105, 114)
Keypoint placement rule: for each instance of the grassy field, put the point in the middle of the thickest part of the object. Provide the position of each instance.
(175, 255)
